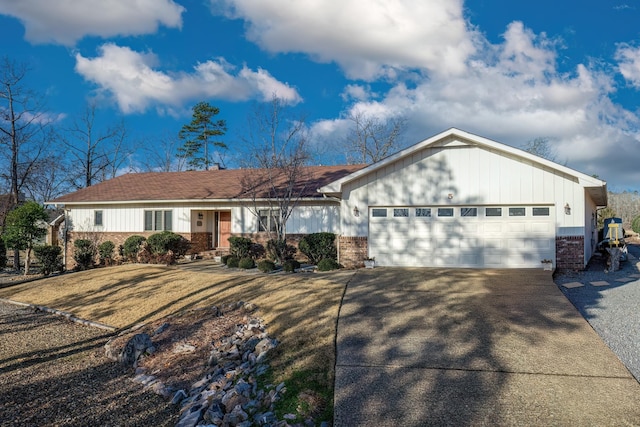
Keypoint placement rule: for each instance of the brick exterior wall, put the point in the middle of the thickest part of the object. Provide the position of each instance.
(570, 253)
(352, 251)
(201, 242)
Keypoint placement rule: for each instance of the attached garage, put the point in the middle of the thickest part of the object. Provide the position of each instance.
(461, 200)
(461, 236)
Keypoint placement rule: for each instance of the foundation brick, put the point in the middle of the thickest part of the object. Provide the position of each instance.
(570, 253)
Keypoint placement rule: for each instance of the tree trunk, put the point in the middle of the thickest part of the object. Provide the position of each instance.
(27, 261)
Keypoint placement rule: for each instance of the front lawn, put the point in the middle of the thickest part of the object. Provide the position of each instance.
(300, 310)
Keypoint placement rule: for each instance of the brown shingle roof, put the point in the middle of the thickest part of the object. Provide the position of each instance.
(193, 185)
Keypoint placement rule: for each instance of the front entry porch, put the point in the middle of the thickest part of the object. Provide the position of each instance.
(210, 230)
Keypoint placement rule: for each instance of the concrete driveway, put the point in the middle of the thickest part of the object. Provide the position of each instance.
(460, 347)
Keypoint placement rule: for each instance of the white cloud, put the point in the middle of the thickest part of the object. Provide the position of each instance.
(67, 21)
(629, 63)
(513, 92)
(368, 39)
(357, 92)
(132, 80)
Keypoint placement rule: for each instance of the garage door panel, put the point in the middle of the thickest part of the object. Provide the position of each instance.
(516, 227)
(400, 244)
(516, 244)
(540, 228)
(422, 244)
(494, 243)
(462, 241)
(471, 259)
(493, 227)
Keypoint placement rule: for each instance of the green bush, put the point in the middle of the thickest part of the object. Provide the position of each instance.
(239, 247)
(266, 266)
(290, 265)
(233, 262)
(328, 264)
(257, 251)
(279, 250)
(105, 252)
(167, 242)
(318, 246)
(635, 225)
(225, 258)
(3, 254)
(50, 258)
(246, 263)
(84, 253)
(132, 246)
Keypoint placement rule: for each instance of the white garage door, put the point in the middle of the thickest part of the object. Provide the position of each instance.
(462, 236)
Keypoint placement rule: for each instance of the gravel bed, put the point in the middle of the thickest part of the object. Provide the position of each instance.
(613, 311)
(53, 372)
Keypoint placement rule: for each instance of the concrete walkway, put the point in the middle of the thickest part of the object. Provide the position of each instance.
(423, 347)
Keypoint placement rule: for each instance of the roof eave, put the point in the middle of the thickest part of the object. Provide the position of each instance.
(183, 201)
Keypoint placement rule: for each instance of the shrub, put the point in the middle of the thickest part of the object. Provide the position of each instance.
(318, 246)
(224, 259)
(328, 264)
(3, 254)
(635, 225)
(132, 246)
(246, 263)
(167, 243)
(84, 253)
(233, 262)
(279, 250)
(266, 266)
(257, 251)
(105, 251)
(290, 265)
(239, 246)
(50, 258)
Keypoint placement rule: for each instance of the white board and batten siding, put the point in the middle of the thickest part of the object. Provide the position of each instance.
(130, 217)
(305, 219)
(460, 175)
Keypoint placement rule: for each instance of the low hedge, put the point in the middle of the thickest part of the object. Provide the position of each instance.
(328, 264)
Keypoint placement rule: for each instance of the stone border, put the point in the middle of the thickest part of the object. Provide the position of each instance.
(68, 315)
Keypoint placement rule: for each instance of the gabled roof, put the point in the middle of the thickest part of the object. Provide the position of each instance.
(222, 184)
(596, 188)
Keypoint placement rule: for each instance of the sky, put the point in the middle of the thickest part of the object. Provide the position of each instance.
(511, 71)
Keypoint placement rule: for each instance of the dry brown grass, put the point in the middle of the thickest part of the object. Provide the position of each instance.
(300, 309)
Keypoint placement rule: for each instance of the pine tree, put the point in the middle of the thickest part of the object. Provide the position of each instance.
(199, 134)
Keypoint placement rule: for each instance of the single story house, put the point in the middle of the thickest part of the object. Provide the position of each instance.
(453, 200)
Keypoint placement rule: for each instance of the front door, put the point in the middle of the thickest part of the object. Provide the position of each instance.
(224, 229)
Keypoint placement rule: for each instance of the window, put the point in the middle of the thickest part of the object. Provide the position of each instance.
(378, 212)
(445, 211)
(540, 211)
(423, 212)
(268, 220)
(493, 212)
(516, 212)
(97, 218)
(401, 212)
(158, 220)
(468, 211)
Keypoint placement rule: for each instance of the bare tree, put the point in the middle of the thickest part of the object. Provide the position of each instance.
(276, 179)
(371, 139)
(540, 147)
(49, 179)
(22, 131)
(97, 155)
(161, 156)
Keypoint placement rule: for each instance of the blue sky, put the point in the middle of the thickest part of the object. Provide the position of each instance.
(513, 71)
